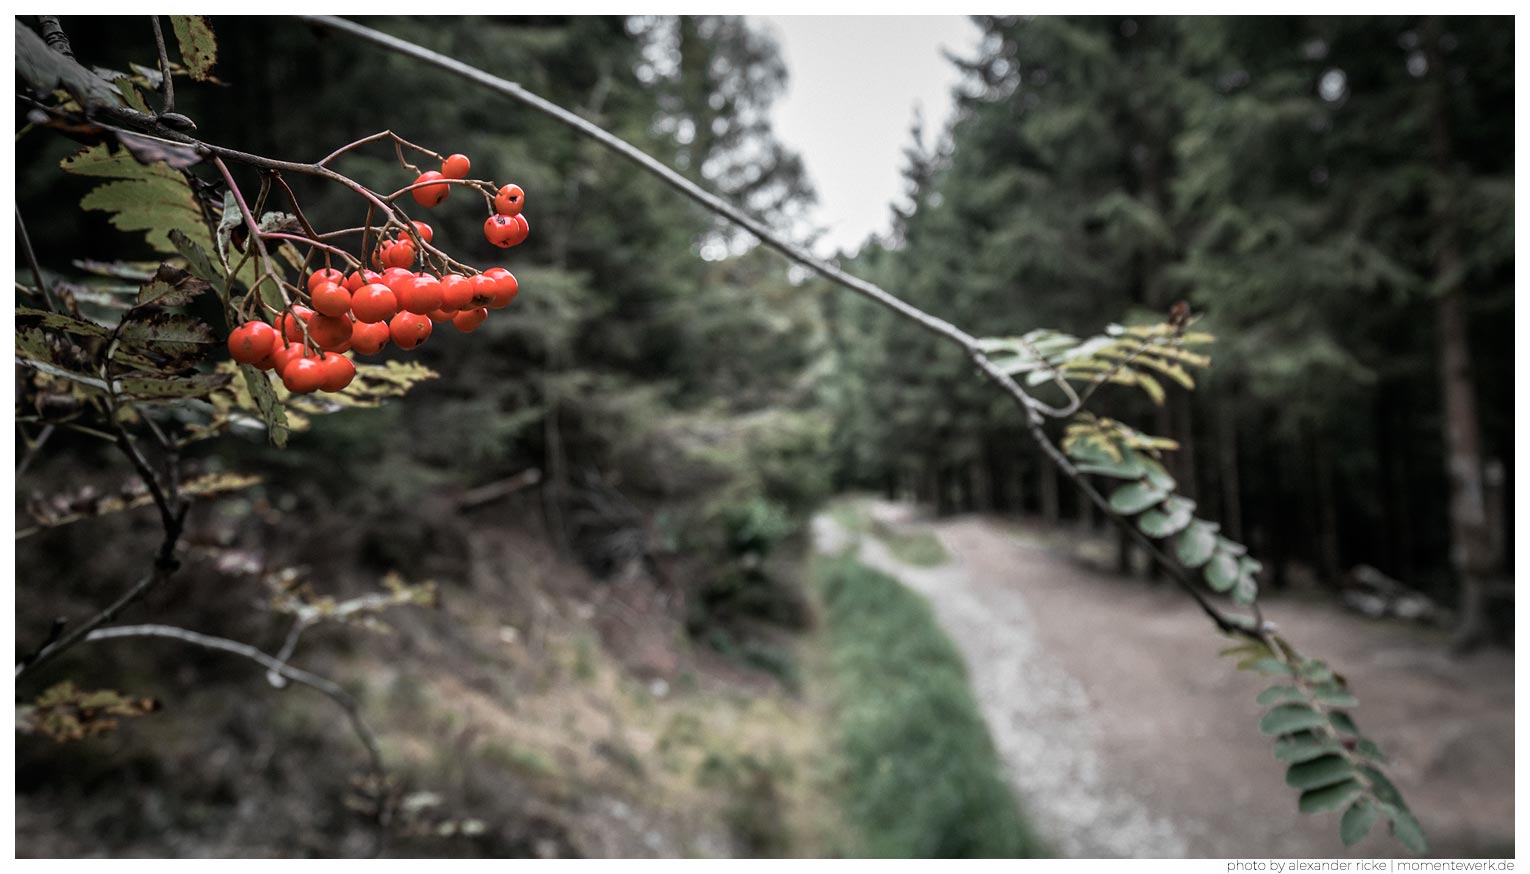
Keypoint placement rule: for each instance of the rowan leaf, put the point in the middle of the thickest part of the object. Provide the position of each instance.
(198, 45)
(1357, 821)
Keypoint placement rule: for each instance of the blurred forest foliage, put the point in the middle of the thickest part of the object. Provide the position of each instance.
(1322, 189)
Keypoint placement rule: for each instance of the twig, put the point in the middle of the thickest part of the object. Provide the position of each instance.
(320, 684)
(54, 630)
(49, 653)
(33, 448)
(167, 104)
(275, 677)
(37, 274)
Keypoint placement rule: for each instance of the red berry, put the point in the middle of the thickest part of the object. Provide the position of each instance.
(359, 278)
(283, 355)
(509, 200)
(251, 342)
(456, 291)
(330, 299)
(419, 295)
(303, 375)
(430, 195)
(338, 372)
(373, 303)
(291, 329)
(423, 230)
(409, 330)
(485, 288)
(456, 167)
(468, 321)
(395, 254)
(330, 332)
(325, 275)
(499, 230)
(505, 287)
(369, 338)
(523, 230)
(441, 315)
(395, 275)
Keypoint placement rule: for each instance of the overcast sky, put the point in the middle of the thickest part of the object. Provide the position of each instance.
(855, 82)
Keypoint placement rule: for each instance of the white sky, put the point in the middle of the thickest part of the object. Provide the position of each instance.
(854, 83)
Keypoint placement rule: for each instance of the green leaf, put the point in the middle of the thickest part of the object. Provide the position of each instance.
(1290, 717)
(1303, 746)
(1357, 822)
(28, 318)
(1329, 797)
(130, 94)
(171, 286)
(1367, 747)
(1221, 571)
(196, 257)
(1279, 695)
(1343, 722)
(144, 197)
(1334, 695)
(1116, 469)
(1133, 498)
(1155, 472)
(1271, 667)
(199, 48)
(171, 340)
(1195, 544)
(1158, 524)
(1383, 788)
(1246, 590)
(1407, 830)
(1247, 587)
(1316, 671)
(1321, 771)
(264, 398)
(1231, 547)
(157, 388)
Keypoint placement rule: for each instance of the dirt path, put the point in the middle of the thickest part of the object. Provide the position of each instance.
(1125, 734)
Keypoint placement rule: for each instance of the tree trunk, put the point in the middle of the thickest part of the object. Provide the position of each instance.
(1470, 541)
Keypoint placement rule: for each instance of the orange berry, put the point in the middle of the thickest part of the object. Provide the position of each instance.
(430, 195)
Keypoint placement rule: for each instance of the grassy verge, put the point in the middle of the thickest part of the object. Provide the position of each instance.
(920, 776)
(921, 548)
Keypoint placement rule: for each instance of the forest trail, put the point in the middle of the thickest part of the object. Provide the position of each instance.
(1126, 735)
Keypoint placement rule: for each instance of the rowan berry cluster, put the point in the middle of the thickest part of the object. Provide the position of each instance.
(362, 311)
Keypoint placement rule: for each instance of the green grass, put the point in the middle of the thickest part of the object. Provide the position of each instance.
(921, 548)
(919, 775)
(851, 516)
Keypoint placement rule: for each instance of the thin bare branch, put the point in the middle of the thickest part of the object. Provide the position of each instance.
(37, 274)
(327, 687)
(167, 82)
(1035, 411)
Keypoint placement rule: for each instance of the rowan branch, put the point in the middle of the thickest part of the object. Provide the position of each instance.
(53, 34)
(167, 104)
(1034, 410)
(37, 274)
(327, 687)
